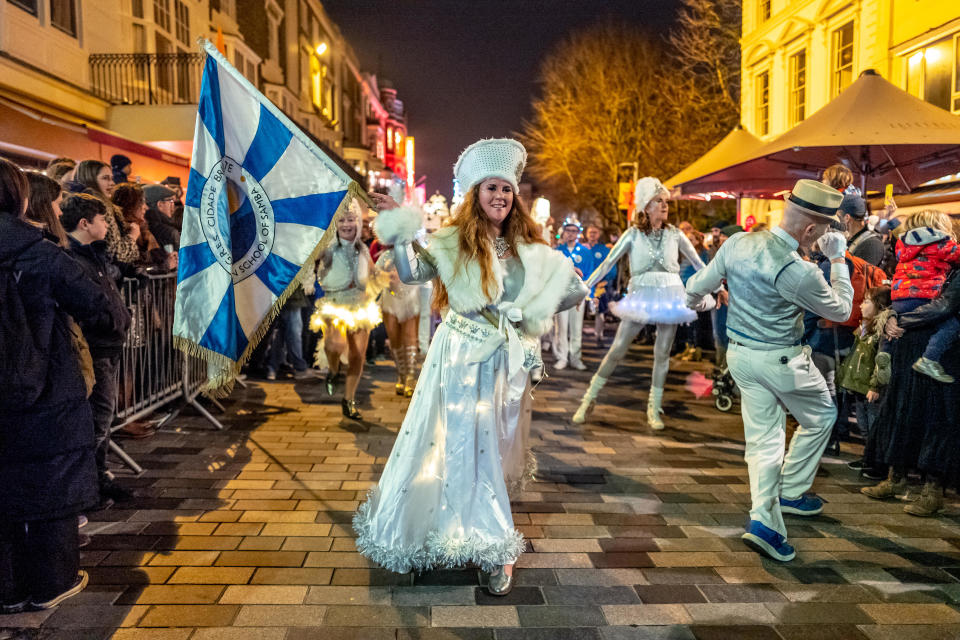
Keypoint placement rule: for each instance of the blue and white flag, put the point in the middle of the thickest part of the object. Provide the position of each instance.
(259, 203)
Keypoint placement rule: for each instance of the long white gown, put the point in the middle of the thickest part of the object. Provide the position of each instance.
(443, 498)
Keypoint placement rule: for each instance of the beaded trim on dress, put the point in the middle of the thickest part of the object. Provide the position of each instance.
(439, 551)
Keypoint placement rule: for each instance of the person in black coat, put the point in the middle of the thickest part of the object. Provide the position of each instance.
(919, 423)
(84, 220)
(47, 467)
(161, 204)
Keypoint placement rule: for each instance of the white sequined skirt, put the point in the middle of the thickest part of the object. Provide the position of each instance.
(442, 500)
(655, 297)
(401, 301)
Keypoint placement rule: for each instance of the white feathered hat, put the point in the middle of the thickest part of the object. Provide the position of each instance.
(502, 158)
(645, 191)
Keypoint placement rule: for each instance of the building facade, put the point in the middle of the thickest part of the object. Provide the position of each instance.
(797, 55)
(88, 78)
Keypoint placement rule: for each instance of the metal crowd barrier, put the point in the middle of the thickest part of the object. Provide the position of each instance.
(153, 373)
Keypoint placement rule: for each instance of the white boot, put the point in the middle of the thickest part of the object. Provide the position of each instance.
(589, 398)
(654, 410)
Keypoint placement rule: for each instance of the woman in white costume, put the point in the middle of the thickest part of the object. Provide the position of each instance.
(442, 500)
(348, 309)
(400, 303)
(655, 294)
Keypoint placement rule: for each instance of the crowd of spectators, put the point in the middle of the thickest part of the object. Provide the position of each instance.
(69, 237)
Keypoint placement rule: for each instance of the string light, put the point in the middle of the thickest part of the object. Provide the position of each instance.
(345, 319)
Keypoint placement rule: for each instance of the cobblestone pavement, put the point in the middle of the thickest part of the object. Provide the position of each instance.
(245, 534)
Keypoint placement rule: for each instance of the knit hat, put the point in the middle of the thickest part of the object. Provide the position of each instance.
(502, 158)
(731, 229)
(118, 161)
(719, 224)
(645, 191)
(854, 206)
(153, 193)
(171, 180)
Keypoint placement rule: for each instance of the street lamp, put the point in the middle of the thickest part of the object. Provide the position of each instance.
(321, 48)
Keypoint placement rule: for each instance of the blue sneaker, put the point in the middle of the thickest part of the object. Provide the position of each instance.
(805, 505)
(768, 542)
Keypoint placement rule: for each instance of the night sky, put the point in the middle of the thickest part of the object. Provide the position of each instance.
(467, 70)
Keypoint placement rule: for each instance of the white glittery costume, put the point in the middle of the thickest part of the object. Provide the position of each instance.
(349, 292)
(655, 295)
(442, 500)
(399, 299)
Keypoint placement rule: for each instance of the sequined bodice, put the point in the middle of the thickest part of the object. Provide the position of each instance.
(513, 277)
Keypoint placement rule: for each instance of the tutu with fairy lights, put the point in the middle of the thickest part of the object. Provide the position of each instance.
(655, 297)
(347, 310)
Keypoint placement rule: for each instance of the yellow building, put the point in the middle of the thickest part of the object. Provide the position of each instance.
(797, 55)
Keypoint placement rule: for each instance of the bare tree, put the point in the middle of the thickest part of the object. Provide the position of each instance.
(611, 93)
(603, 102)
(706, 44)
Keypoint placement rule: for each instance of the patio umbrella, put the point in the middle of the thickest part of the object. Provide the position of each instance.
(696, 181)
(877, 130)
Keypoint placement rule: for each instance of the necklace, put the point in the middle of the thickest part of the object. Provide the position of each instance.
(501, 247)
(657, 250)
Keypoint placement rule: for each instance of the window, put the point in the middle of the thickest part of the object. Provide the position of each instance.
(842, 68)
(956, 74)
(932, 73)
(764, 10)
(139, 38)
(183, 23)
(763, 103)
(161, 14)
(30, 6)
(798, 87)
(137, 8)
(318, 76)
(390, 138)
(63, 15)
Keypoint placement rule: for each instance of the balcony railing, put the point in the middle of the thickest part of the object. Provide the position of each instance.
(146, 78)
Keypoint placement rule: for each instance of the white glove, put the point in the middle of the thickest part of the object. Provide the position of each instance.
(832, 244)
(707, 303)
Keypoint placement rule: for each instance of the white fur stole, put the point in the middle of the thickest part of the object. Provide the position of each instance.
(547, 277)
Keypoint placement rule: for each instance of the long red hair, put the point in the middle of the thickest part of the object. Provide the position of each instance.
(475, 244)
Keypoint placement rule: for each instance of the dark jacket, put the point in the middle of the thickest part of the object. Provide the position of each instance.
(938, 309)
(163, 229)
(47, 467)
(823, 339)
(867, 245)
(104, 341)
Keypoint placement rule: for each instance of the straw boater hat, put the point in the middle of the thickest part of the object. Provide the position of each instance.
(502, 158)
(816, 199)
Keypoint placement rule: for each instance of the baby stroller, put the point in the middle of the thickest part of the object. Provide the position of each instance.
(724, 388)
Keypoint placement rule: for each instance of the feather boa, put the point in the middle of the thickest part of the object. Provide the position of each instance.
(397, 225)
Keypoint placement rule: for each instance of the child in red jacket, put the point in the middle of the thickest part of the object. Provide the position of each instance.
(926, 252)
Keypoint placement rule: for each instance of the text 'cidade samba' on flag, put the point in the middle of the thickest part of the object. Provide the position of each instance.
(260, 201)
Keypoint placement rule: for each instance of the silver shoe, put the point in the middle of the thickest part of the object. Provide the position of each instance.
(500, 583)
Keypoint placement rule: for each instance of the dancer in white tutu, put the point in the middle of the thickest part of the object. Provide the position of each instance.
(348, 309)
(655, 294)
(442, 499)
(400, 303)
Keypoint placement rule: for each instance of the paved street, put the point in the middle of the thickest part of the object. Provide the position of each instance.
(246, 534)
